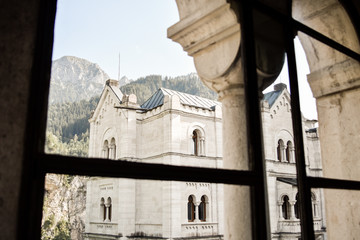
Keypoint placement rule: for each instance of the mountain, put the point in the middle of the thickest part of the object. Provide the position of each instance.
(74, 79)
(74, 92)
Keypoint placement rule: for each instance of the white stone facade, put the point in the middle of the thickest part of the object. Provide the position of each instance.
(168, 130)
(120, 129)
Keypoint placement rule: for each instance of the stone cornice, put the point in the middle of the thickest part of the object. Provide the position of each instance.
(198, 31)
(171, 154)
(179, 112)
(335, 78)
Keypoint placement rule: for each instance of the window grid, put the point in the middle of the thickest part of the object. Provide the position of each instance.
(37, 163)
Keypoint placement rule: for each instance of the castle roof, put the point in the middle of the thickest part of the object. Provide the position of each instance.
(157, 99)
(271, 97)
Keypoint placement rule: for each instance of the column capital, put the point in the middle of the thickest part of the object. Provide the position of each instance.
(210, 33)
(335, 78)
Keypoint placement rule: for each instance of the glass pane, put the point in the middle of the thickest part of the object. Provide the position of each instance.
(330, 19)
(280, 158)
(337, 213)
(78, 207)
(89, 51)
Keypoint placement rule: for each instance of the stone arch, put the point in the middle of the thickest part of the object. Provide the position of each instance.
(108, 206)
(204, 208)
(288, 151)
(191, 208)
(333, 80)
(102, 213)
(109, 137)
(322, 82)
(196, 139)
(285, 206)
(282, 151)
(113, 148)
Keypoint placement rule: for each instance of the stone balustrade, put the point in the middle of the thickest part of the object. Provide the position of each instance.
(103, 227)
(294, 225)
(199, 229)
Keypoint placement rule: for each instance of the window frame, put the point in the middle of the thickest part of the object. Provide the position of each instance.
(36, 164)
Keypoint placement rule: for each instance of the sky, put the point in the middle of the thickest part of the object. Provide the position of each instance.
(134, 34)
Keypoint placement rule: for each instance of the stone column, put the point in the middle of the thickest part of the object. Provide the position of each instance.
(292, 209)
(107, 212)
(283, 153)
(202, 146)
(292, 155)
(334, 81)
(280, 203)
(211, 35)
(104, 153)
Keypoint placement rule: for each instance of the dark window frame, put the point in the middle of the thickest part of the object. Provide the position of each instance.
(37, 164)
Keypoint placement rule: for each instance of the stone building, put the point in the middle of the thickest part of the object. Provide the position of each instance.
(169, 128)
(26, 44)
(181, 129)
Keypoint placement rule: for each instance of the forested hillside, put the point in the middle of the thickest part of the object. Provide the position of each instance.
(144, 87)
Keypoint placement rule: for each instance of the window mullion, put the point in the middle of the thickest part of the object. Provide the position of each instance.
(260, 221)
(306, 219)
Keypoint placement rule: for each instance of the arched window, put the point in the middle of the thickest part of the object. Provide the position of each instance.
(202, 209)
(191, 209)
(195, 138)
(113, 149)
(102, 209)
(286, 207)
(314, 205)
(109, 209)
(288, 151)
(106, 149)
(279, 149)
(297, 207)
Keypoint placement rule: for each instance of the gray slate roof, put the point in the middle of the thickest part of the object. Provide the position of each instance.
(291, 181)
(157, 99)
(117, 92)
(271, 97)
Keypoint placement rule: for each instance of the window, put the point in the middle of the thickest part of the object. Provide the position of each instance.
(285, 207)
(191, 209)
(44, 163)
(102, 209)
(106, 149)
(202, 209)
(113, 149)
(314, 204)
(108, 210)
(288, 151)
(297, 207)
(197, 133)
(280, 149)
(195, 139)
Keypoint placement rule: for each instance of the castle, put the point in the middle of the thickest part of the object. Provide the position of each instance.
(185, 130)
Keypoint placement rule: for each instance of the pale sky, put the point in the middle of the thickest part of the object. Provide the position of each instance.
(100, 30)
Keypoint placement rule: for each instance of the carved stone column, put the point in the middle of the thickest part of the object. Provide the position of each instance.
(196, 217)
(280, 203)
(107, 212)
(210, 33)
(292, 210)
(292, 155)
(334, 81)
